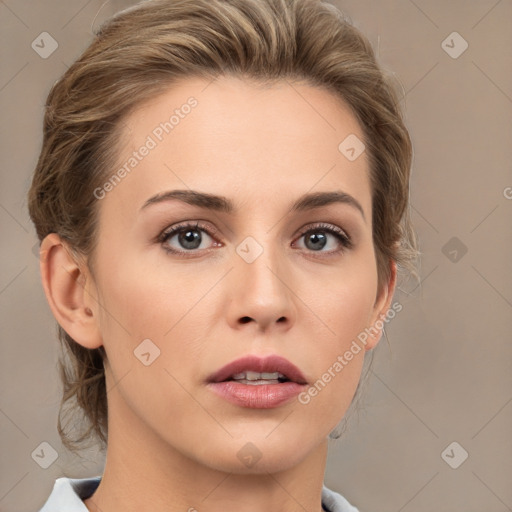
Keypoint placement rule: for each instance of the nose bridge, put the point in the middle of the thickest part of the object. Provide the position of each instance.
(259, 264)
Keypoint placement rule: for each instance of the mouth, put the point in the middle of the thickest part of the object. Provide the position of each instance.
(255, 371)
(258, 383)
(257, 378)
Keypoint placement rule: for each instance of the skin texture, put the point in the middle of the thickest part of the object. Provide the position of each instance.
(173, 444)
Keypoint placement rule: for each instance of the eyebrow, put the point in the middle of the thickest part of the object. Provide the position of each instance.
(223, 204)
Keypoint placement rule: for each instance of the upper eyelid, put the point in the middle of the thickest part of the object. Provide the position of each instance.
(205, 226)
(198, 224)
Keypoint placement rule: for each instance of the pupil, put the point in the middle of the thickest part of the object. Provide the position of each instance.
(190, 239)
(318, 240)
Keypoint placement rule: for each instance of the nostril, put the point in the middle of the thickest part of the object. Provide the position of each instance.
(245, 319)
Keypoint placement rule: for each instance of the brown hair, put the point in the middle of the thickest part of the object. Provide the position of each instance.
(139, 53)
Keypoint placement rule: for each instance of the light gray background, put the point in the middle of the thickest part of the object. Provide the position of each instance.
(445, 375)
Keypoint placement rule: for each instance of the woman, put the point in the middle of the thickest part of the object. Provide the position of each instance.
(222, 204)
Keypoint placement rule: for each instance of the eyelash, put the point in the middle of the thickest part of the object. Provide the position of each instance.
(338, 233)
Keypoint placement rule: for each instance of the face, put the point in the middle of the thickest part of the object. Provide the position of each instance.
(188, 286)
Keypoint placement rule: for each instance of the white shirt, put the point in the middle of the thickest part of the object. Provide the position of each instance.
(68, 495)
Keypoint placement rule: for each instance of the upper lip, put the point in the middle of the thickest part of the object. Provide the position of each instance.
(268, 364)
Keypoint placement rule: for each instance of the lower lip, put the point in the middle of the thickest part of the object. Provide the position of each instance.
(264, 396)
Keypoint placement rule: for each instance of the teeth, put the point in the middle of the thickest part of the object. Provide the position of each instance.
(253, 376)
(258, 382)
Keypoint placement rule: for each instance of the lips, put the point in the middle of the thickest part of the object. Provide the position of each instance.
(269, 364)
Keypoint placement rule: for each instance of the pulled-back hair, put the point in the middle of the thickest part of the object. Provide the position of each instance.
(140, 53)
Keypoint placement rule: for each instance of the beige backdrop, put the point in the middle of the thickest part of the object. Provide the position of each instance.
(445, 376)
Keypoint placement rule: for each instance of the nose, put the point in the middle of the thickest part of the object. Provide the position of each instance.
(260, 291)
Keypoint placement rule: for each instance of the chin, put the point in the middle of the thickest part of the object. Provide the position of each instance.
(259, 454)
(268, 463)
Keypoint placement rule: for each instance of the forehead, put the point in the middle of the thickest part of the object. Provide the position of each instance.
(261, 142)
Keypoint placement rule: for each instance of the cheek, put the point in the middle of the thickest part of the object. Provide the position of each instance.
(150, 336)
(344, 302)
(165, 304)
(338, 359)
(345, 307)
(147, 300)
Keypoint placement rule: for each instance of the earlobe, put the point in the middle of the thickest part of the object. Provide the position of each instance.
(381, 308)
(64, 284)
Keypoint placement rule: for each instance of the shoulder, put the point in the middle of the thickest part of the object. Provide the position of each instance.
(334, 502)
(68, 494)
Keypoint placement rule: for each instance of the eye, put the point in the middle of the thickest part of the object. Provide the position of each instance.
(317, 237)
(188, 237)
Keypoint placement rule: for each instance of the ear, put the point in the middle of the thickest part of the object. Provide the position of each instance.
(70, 292)
(381, 308)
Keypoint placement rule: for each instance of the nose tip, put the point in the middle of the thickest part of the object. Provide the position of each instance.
(259, 293)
